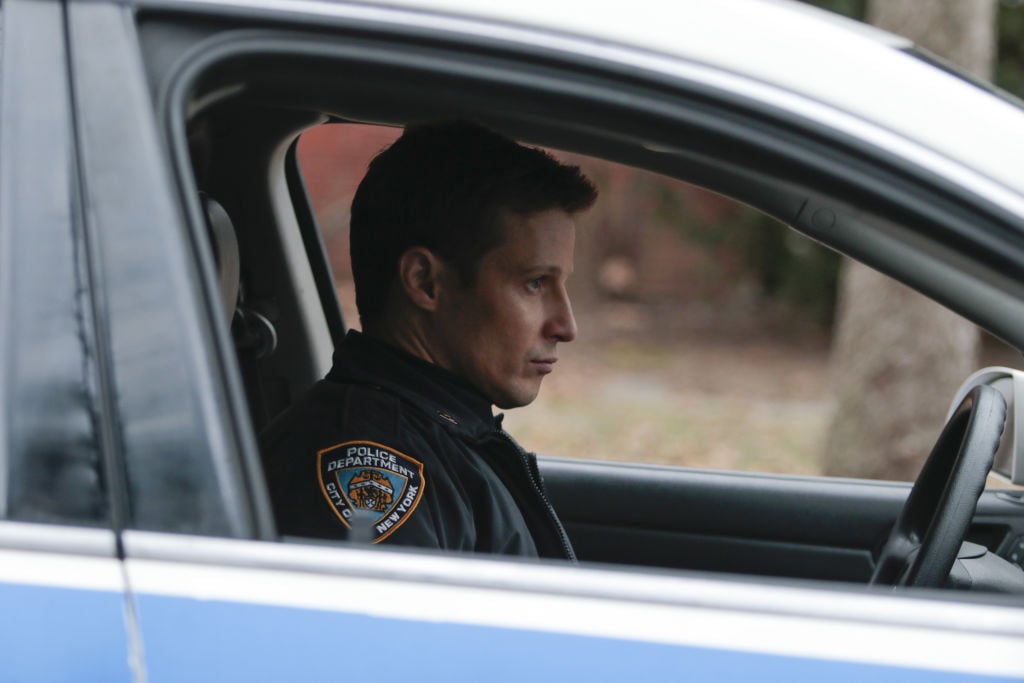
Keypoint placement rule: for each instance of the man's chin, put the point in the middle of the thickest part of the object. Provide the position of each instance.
(517, 398)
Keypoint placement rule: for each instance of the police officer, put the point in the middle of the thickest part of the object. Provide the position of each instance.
(461, 244)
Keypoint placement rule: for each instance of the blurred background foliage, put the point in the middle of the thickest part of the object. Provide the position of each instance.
(1009, 73)
(801, 275)
(1010, 56)
(784, 269)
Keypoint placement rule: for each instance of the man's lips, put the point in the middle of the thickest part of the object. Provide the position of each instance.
(545, 365)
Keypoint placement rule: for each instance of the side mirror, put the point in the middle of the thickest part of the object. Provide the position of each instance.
(1009, 459)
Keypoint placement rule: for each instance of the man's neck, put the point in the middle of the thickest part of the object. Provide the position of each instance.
(405, 337)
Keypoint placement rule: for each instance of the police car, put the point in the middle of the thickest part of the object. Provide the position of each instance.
(150, 195)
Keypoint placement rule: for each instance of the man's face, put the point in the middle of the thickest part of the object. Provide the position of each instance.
(500, 332)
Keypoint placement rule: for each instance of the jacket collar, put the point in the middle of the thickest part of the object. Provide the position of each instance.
(444, 396)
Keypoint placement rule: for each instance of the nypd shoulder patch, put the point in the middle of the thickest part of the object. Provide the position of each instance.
(373, 489)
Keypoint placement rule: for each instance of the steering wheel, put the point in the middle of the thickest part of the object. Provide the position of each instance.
(926, 538)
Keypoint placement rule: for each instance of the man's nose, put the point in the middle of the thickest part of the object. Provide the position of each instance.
(562, 323)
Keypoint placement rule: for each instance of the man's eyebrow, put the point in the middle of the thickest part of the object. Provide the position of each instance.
(541, 269)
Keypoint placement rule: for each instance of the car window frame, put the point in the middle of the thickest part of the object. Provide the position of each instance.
(52, 398)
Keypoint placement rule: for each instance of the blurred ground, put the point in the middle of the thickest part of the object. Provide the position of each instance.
(697, 399)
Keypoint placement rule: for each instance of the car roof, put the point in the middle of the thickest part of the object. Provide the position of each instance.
(847, 74)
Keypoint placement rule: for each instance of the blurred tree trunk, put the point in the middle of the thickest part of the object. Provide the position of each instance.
(898, 357)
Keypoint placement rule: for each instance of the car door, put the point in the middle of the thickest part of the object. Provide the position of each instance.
(747, 523)
(62, 590)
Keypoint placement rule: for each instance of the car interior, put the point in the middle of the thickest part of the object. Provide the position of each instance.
(233, 107)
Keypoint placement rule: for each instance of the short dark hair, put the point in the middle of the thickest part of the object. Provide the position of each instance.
(448, 187)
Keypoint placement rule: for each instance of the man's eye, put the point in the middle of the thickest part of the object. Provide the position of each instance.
(534, 284)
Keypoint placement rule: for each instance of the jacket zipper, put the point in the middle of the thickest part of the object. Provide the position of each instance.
(534, 481)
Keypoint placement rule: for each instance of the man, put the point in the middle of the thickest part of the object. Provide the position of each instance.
(461, 243)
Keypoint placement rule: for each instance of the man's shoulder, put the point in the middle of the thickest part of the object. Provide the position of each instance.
(326, 406)
(332, 413)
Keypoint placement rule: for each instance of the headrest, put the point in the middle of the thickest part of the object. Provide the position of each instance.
(225, 250)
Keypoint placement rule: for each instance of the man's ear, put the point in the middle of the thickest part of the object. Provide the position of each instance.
(419, 273)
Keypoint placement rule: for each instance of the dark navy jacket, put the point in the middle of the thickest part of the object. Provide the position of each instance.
(390, 448)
